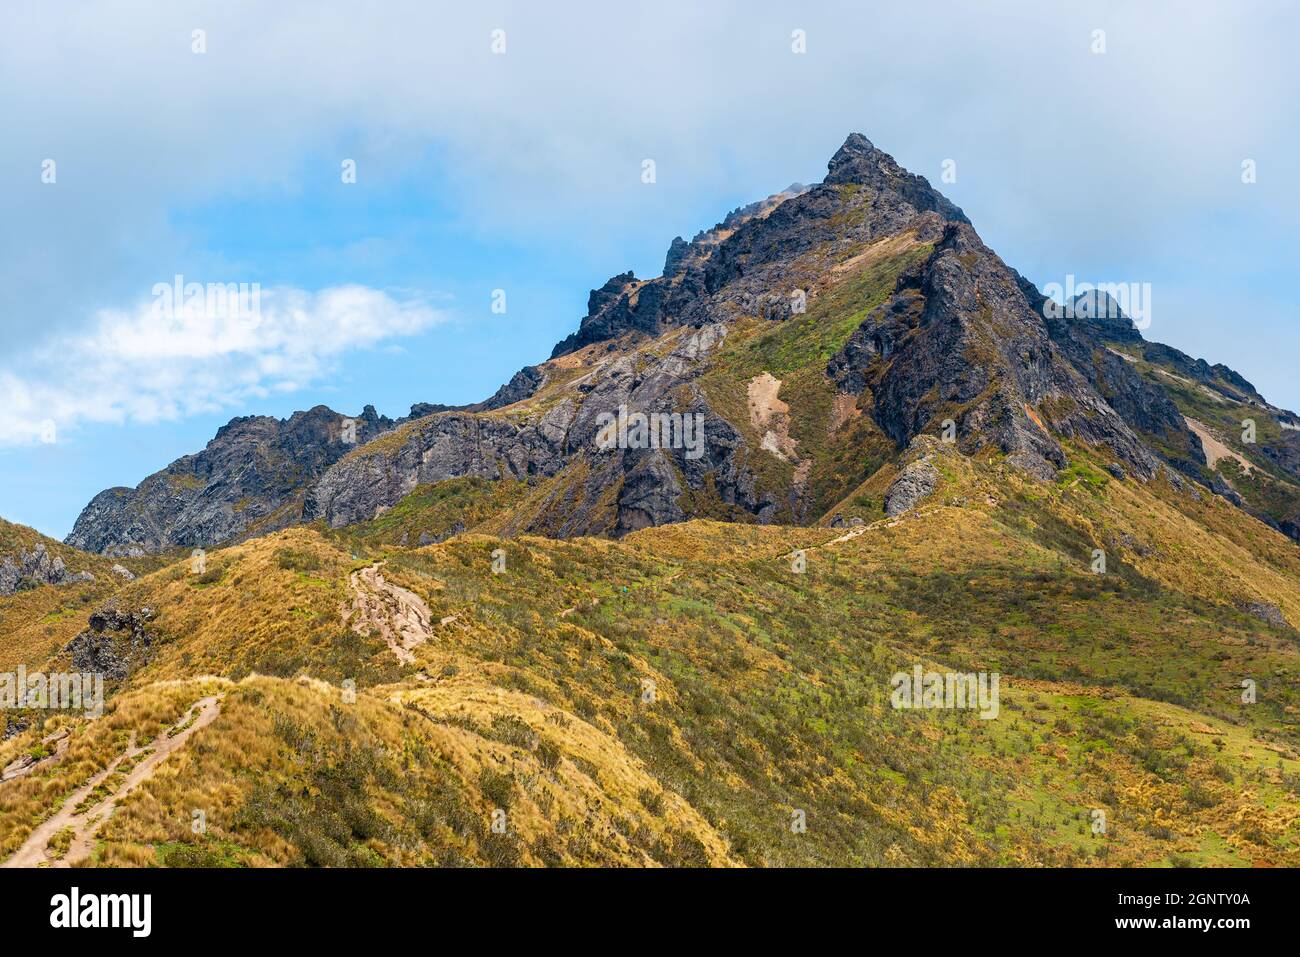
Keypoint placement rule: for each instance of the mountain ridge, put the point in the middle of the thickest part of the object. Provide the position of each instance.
(637, 653)
(919, 323)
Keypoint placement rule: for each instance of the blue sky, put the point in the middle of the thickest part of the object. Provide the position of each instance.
(521, 171)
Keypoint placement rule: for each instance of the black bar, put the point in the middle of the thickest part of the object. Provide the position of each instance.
(528, 907)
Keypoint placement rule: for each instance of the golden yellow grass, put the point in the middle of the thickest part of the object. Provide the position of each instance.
(575, 795)
(528, 696)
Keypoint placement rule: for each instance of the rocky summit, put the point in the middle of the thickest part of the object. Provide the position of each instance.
(814, 334)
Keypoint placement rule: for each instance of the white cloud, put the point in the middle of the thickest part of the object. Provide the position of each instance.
(150, 363)
(1123, 163)
(550, 136)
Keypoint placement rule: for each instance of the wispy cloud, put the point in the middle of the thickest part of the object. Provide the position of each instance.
(152, 363)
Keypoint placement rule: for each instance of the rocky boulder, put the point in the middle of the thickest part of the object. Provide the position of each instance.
(915, 483)
(1266, 612)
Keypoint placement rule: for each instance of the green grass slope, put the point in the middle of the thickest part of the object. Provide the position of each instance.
(684, 696)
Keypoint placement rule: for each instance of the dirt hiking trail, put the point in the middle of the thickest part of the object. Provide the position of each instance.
(85, 823)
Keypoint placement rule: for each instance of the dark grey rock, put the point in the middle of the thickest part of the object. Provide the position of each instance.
(521, 386)
(540, 444)
(254, 473)
(114, 645)
(649, 495)
(674, 261)
(959, 339)
(1219, 486)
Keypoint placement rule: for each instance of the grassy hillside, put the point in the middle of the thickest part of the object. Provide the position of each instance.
(683, 695)
(35, 622)
(15, 539)
(435, 512)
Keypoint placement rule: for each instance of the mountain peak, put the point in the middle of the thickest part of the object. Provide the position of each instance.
(858, 156)
(859, 162)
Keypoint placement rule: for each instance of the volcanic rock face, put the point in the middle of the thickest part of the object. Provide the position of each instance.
(454, 445)
(442, 446)
(255, 467)
(957, 342)
(748, 265)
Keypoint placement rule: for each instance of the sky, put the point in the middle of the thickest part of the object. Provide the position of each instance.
(500, 147)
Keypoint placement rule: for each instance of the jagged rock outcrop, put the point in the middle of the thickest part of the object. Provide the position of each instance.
(611, 311)
(1218, 376)
(542, 444)
(522, 385)
(115, 644)
(691, 276)
(1106, 346)
(35, 568)
(1085, 333)
(252, 475)
(959, 340)
(442, 446)
(915, 483)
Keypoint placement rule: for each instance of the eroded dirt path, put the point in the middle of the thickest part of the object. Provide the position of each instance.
(857, 530)
(399, 615)
(892, 522)
(85, 823)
